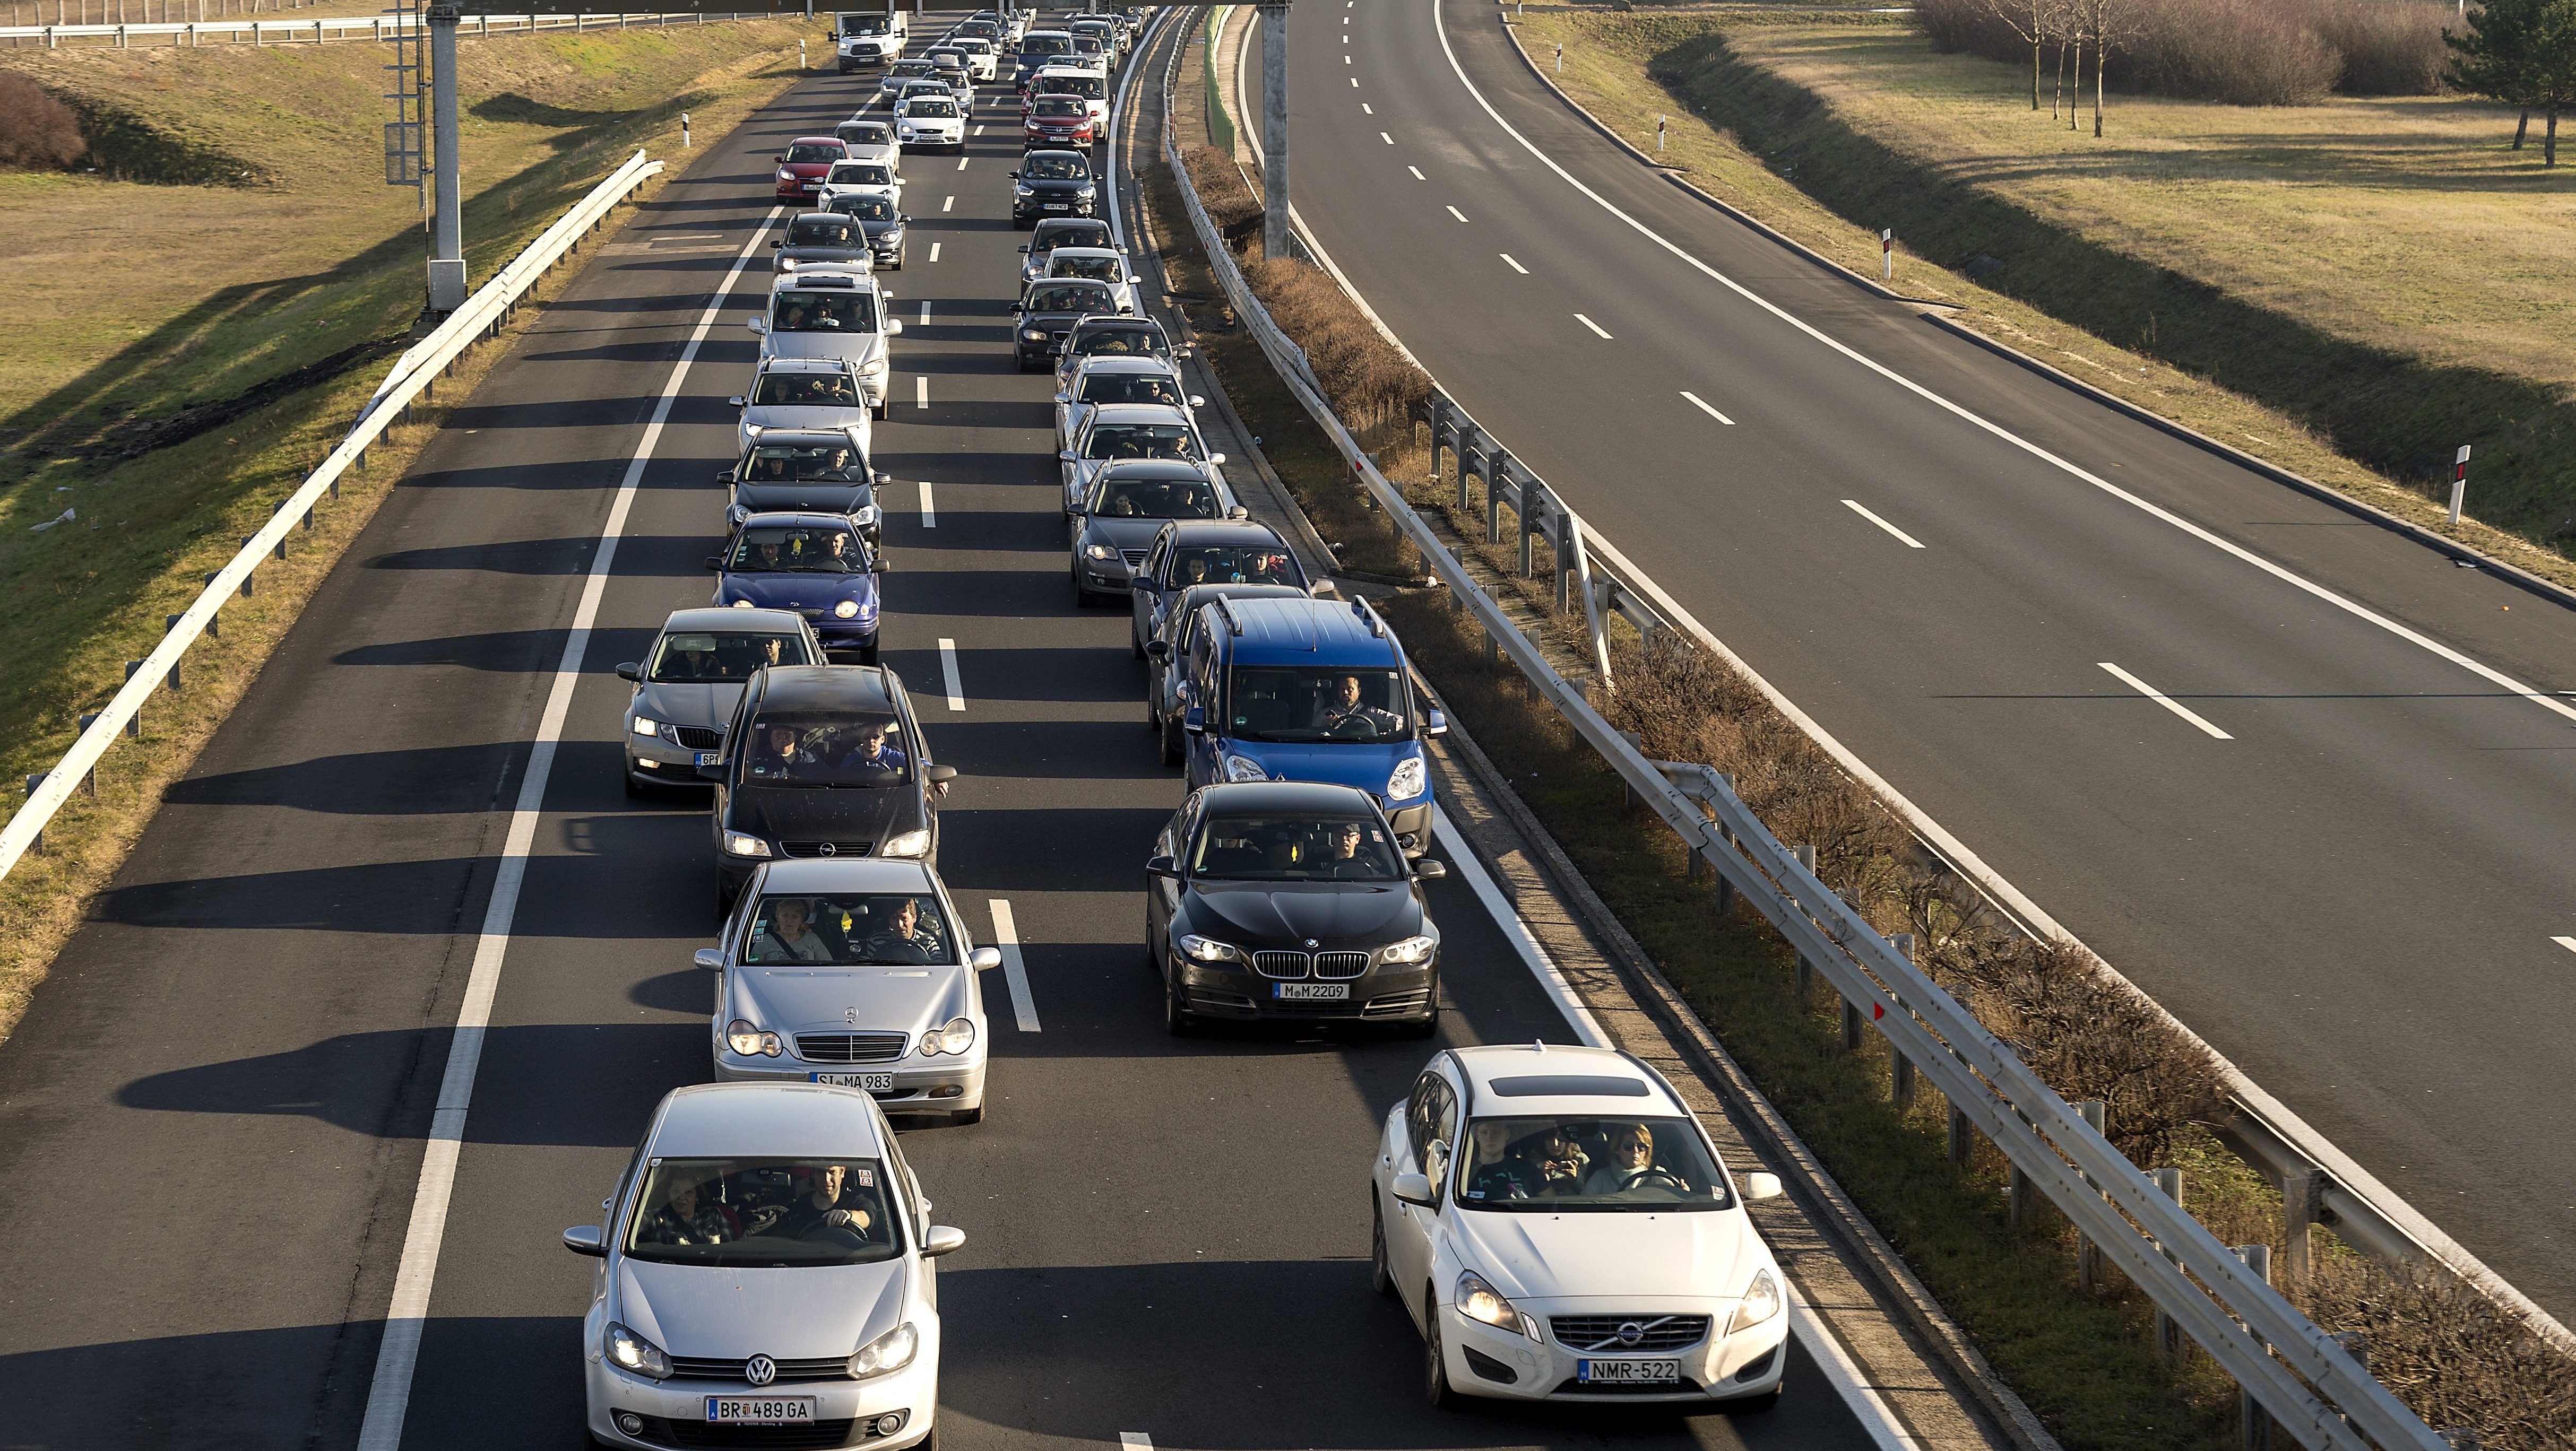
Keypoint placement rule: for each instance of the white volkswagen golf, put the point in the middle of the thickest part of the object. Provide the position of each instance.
(1561, 1229)
(764, 1263)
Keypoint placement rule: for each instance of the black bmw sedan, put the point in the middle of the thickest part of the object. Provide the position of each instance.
(1278, 899)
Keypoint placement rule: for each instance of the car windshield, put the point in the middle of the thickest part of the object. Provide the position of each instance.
(787, 463)
(809, 390)
(1064, 233)
(1609, 1163)
(1140, 440)
(849, 930)
(798, 549)
(810, 153)
(1042, 44)
(1125, 498)
(927, 87)
(907, 69)
(825, 312)
(701, 657)
(765, 1213)
(864, 133)
(1071, 297)
(1307, 703)
(1088, 87)
(1154, 388)
(1135, 340)
(1053, 106)
(1294, 849)
(862, 173)
(848, 749)
(933, 108)
(1044, 166)
(1233, 564)
(1102, 269)
(816, 232)
(868, 207)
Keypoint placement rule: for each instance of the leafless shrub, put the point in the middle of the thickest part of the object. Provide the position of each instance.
(1220, 186)
(2454, 1356)
(1369, 383)
(2242, 52)
(37, 132)
(2389, 47)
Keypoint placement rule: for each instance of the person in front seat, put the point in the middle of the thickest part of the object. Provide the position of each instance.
(1342, 859)
(1345, 715)
(874, 760)
(689, 1219)
(1498, 1173)
(790, 936)
(905, 939)
(818, 1212)
(1630, 1160)
(784, 755)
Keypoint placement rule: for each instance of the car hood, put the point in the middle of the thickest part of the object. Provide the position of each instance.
(878, 229)
(1532, 1255)
(858, 347)
(805, 169)
(714, 1312)
(801, 592)
(1050, 187)
(819, 813)
(690, 704)
(1365, 765)
(908, 1000)
(1344, 914)
(820, 496)
(815, 417)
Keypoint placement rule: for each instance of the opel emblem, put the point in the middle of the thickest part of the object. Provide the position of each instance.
(1630, 1332)
(760, 1370)
(827, 849)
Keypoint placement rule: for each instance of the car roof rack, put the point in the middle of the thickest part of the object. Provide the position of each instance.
(1233, 626)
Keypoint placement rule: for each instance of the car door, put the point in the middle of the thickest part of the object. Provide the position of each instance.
(1163, 894)
(1430, 1134)
(733, 756)
(1145, 591)
(1070, 469)
(1206, 668)
(919, 745)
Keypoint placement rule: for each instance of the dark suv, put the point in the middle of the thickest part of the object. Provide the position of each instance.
(1052, 184)
(1296, 900)
(823, 761)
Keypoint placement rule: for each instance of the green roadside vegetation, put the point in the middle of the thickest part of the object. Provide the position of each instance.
(185, 353)
(2349, 290)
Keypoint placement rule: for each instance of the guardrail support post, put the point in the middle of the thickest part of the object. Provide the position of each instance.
(2088, 1255)
(1900, 1088)
(89, 783)
(1961, 1131)
(2168, 1334)
(2253, 1423)
(1523, 521)
(2301, 1193)
(1490, 472)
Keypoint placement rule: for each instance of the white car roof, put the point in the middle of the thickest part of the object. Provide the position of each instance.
(1124, 363)
(764, 1121)
(805, 365)
(1137, 413)
(1056, 252)
(803, 278)
(853, 874)
(1553, 1078)
(703, 618)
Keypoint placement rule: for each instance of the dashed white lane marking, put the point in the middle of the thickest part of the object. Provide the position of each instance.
(934, 251)
(1365, 109)
(2167, 701)
(925, 314)
(1346, 60)
(921, 390)
(1389, 140)
(2567, 942)
(1355, 83)
(407, 1314)
(961, 162)
(948, 669)
(947, 202)
(1702, 404)
(1417, 173)
(1596, 327)
(1863, 510)
(1136, 1441)
(1015, 969)
(1462, 216)
(1515, 263)
(929, 515)
(979, 128)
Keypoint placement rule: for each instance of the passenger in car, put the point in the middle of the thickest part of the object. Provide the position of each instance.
(1560, 1161)
(690, 1219)
(872, 759)
(789, 936)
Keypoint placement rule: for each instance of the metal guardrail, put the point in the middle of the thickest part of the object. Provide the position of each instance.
(480, 317)
(2309, 1384)
(336, 29)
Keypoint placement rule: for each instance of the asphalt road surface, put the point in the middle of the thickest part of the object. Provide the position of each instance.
(212, 1122)
(2335, 850)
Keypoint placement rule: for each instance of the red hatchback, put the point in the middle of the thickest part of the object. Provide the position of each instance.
(1057, 121)
(802, 168)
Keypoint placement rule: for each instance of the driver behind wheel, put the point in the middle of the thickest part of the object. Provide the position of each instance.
(819, 1210)
(1629, 1161)
(1344, 712)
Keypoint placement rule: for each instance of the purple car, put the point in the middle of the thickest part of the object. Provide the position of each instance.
(815, 564)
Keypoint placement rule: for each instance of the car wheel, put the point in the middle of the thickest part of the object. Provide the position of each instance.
(724, 900)
(1135, 642)
(1176, 1019)
(1379, 1279)
(1083, 598)
(1435, 1361)
(634, 787)
(898, 259)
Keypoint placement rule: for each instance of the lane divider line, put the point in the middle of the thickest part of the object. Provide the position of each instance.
(1596, 327)
(961, 162)
(1587, 1029)
(407, 1316)
(1368, 110)
(925, 312)
(1417, 172)
(2167, 701)
(1514, 263)
(948, 668)
(1863, 510)
(1136, 1441)
(1015, 968)
(934, 251)
(1389, 140)
(929, 515)
(1703, 405)
(947, 202)
(1462, 216)
(921, 390)
(2567, 942)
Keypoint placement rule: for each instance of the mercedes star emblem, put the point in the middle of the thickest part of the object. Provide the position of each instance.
(1630, 1332)
(760, 1370)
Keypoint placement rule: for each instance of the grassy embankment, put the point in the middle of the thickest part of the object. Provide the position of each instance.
(183, 354)
(2349, 290)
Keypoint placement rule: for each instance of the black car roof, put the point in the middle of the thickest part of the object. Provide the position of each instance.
(1263, 798)
(825, 688)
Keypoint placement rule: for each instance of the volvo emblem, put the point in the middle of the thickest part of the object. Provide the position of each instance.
(760, 1370)
(827, 849)
(1630, 1332)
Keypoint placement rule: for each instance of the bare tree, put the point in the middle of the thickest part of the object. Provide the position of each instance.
(2033, 21)
(2106, 23)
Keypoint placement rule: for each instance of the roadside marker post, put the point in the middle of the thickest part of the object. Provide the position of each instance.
(684, 130)
(1560, 57)
(2459, 483)
(1887, 253)
(1659, 135)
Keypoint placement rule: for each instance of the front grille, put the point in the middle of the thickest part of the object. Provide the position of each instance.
(849, 1048)
(690, 1367)
(817, 848)
(1600, 1334)
(695, 738)
(1279, 964)
(1337, 965)
(692, 1435)
(1340, 964)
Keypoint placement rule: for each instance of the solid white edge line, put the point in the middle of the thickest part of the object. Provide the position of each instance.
(1551, 981)
(1887, 1432)
(1863, 510)
(1702, 405)
(1015, 968)
(929, 515)
(948, 668)
(1596, 327)
(2167, 701)
(407, 1315)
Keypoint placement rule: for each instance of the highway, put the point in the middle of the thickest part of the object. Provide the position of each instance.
(214, 1120)
(2304, 782)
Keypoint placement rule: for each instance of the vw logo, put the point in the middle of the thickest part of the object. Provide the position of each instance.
(1630, 1332)
(760, 1370)
(828, 849)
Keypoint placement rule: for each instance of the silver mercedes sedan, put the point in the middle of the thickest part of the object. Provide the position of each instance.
(854, 972)
(765, 1277)
(687, 685)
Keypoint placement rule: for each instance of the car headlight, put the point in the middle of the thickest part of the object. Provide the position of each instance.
(629, 1351)
(846, 609)
(646, 726)
(1411, 949)
(1244, 768)
(1085, 190)
(867, 515)
(1480, 1301)
(1101, 552)
(742, 604)
(1024, 191)
(737, 843)
(749, 1041)
(785, 175)
(1033, 335)
(887, 1353)
(957, 1037)
(908, 844)
(1761, 1301)
(874, 367)
(1208, 949)
(1407, 781)
(890, 236)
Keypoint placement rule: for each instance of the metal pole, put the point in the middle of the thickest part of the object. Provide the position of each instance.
(1274, 128)
(447, 224)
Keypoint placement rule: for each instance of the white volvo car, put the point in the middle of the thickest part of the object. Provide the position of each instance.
(764, 1278)
(1561, 1229)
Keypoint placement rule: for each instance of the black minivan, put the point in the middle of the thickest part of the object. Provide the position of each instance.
(823, 761)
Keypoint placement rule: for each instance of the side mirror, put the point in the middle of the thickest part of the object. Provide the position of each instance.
(1158, 649)
(777, 245)
(735, 401)
(983, 958)
(712, 771)
(1124, 309)
(1413, 1189)
(894, 327)
(1238, 512)
(756, 325)
(631, 670)
(1427, 870)
(942, 1239)
(716, 562)
(1194, 720)
(1324, 589)
(1024, 251)
(1064, 397)
(1184, 351)
(1436, 724)
(584, 1239)
(1016, 176)
(1162, 866)
(781, 159)
(881, 478)
(1197, 402)
(1759, 1185)
(1068, 456)
(1216, 458)
(724, 476)
(710, 958)
(939, 775)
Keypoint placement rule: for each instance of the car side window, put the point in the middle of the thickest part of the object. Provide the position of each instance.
(1153, 571)
(1444, 1134)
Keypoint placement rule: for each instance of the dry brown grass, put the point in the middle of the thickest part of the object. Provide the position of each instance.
(36, 131)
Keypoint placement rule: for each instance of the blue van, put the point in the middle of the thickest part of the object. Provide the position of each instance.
(1307, 690)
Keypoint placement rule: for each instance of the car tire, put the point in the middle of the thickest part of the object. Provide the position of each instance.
(898, 260)
(1379, 1279)
(1083, 598)
(634, 787)
(1435, 1360)
(1176, 1020)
